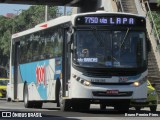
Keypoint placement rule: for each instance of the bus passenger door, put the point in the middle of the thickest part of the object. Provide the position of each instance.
(16, 63)
(66, 65)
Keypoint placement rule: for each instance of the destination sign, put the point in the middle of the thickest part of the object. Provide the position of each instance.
(109, 20)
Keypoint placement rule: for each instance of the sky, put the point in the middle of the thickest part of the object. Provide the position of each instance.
(16, 8)
(12, 8)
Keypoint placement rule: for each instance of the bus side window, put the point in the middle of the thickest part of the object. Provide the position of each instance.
(41, 46)
(35, 45)
(139, 51)
(49, 44)
(29, 49)
(22, 50)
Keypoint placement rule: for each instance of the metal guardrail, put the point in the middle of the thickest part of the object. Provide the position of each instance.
(154, 26)
(119, 5)
(120, 9)
(152, 29)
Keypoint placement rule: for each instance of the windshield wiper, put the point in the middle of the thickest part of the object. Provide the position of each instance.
(124, 38)
(115, 59)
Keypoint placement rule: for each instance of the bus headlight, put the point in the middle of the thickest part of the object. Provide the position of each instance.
(140, 82)
(82, 81)
(136, 84)
(86, 83)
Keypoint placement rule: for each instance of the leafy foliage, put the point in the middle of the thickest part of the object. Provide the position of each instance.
(158, 2)
(27, 19)
(155, 21)
(156, 17)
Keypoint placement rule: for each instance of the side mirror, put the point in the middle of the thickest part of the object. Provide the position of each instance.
(69, 37)
(70, 41)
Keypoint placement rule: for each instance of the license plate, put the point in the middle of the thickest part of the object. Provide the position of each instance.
(112, 92)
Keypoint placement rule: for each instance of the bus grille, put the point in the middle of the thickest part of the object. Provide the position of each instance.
(104, 94)
(100, 83)
(106, 74)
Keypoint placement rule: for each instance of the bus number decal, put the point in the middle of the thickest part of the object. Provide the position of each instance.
(40, 75)
(91, 20)
(123, 79)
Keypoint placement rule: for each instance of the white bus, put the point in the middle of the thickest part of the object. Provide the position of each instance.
(82, 59)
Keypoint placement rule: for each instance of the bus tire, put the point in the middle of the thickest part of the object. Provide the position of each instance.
(38, 104)
(65, 104)
(80, 105)
(58, 85)
(8, 99)
(122, 108)
(153, 108)
(27, 103)
(102, 106)
(138, 108)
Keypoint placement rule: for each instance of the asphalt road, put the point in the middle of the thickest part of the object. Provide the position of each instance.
(50, 111)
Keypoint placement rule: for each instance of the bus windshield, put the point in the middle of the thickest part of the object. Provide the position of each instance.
(107, 49)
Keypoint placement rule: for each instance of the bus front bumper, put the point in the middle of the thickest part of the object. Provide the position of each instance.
(107, 91)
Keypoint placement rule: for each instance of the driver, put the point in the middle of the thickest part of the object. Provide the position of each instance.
(85, 52)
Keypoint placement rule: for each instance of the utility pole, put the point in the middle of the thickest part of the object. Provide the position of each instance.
(46, 13)
(18, 11)
(64, 10)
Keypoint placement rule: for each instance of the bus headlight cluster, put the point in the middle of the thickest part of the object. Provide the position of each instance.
(82, 81)
(136, 84)
(140, 82)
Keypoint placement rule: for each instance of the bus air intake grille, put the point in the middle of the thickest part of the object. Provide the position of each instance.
(104, 94)
(107, 74)
(100, 83)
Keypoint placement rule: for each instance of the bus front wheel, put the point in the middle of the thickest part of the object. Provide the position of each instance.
(65, 104)
(81, 105)
(122, 108)
(153, 108)
(138, 108)
(38, 104)
(102, 106)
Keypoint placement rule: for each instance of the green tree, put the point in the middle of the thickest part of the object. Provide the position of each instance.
(3, 25)
(27, 19)
(158, 2)
(5, 43)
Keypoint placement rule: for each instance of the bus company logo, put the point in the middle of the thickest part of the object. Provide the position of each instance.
(40, 75)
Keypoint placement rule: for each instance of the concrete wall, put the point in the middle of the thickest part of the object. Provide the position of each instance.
(109, 5)
(143, 11)
(86, 6)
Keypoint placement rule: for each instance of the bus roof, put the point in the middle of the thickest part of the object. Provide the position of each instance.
(64, 19)
(45, 25)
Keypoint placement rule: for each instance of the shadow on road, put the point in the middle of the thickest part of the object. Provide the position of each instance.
(72, 115)
(51, 108)
(112, 111)
(99, 113)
